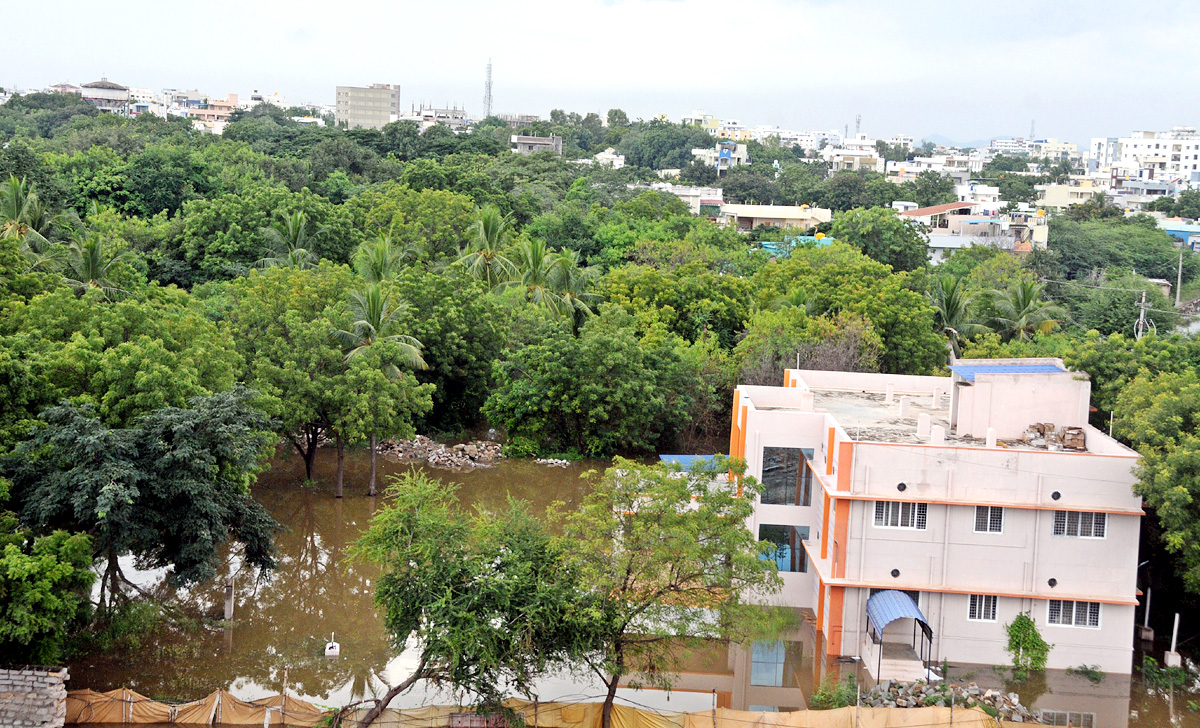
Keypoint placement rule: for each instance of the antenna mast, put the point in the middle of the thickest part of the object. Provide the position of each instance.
(857, 124)
(487, 92)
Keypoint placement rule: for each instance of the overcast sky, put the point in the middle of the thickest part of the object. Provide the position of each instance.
(965, 70)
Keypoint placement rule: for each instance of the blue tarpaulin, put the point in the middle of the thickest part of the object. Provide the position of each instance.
(687, 461)
(968, 371)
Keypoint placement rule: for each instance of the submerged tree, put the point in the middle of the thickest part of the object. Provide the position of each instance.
(669, 562)
(171, 490)
(487, 598)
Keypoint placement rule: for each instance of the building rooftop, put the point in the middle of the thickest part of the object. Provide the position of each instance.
(968, 372)
(939, 209)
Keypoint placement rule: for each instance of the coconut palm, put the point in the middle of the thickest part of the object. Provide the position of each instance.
(797, 299)
(375, 322)
(288, 243)
(483, 256)
(24, 217)
(380, 259)
(1021, 312)
(953, 311)
(573, 283)
(88, 263)
(538, 272)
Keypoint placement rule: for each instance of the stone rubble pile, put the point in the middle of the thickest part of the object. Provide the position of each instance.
(553, 462)
(474, 454)
(919, 694)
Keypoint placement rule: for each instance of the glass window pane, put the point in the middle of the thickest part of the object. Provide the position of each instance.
(1060, 523)
(1101, 525)
(981, 518)
(780, 475)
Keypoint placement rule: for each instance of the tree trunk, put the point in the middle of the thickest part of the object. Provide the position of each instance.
(606, 715)
(341, 464)
(382, 703)
(371, 488)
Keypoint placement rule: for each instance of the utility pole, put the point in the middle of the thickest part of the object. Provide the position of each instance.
(1179, 277)
(1140, 328)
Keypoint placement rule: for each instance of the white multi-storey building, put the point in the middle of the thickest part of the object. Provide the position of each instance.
(916, 516)
(1010, 146)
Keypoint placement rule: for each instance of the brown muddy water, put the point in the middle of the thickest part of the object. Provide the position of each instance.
(280, 624)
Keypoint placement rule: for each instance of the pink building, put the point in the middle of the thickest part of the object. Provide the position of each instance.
(916, 516)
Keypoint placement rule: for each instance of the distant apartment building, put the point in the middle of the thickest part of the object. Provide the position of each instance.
(424, 116)
(516, 121)
(214, 111)
(703, 201)
(707, 122)
(106, 95)
(723, 156)
(609, 158)
(917, 515)
(367, 107)
(960, 167)
(901, 140)
(1153, 155)
(1058, 197)
(1052, 148)
(852, 160)
(526, 145)
(986, 195)
(64, 88)
(1011, 147)
(257, 97)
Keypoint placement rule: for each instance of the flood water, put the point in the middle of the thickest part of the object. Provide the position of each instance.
(280, 625)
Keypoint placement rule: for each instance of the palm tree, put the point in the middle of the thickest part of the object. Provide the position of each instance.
(24, 217)
(573, 282)
(375, 322)
(800, 299)
(88, 263)
(483, 256)
(1021, 312)
(380, 259)
(537, 271)
(288, 243)
(952, 309)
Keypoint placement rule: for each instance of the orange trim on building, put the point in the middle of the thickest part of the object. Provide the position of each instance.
(825, 528)
(820, 603)
(841, 535)
(833, 636)
(787, 377)
(845, 456)
(829, 452)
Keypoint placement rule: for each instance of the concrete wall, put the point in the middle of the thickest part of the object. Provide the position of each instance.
(33, 696)
(1010, 403)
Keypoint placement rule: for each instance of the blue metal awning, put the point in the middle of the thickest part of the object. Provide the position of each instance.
(687, 461)
(886, 607)
(968, 372)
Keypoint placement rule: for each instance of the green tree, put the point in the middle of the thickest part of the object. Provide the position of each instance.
(1159, 415)
(882, 234)
(484, 255)
(1021, 312)
(380, 259)
(289, 243)
(790, 338)
(953, 308)
(669, 562)
(375, 328)
(172, 490)
(929, 188)
(487, 598)
(44, 585)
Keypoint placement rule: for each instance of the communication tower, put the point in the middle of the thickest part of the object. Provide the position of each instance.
(487, 92)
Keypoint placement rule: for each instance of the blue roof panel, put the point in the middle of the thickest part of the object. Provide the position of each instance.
(886, 607)
(968, 372)
(687, 461)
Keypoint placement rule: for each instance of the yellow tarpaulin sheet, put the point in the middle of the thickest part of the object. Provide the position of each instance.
(220, 708)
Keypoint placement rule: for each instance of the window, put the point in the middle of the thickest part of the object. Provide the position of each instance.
(890, 514)
(786, 477)
(982, 608)
(787, 553)
(1071, 718)
(989, 519)
(1080, 525)
(776, 664)
(1073, 614)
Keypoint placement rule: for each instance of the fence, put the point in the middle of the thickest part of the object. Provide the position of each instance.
(125, 707)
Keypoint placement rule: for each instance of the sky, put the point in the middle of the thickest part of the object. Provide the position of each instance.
(962, 70)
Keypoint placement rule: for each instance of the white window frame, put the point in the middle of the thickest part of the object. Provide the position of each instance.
(1074, 610)
(1060, 527)
(893, 514)
(978, 603)
(991, 515)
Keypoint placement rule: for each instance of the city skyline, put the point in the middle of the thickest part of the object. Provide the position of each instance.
(984, 72)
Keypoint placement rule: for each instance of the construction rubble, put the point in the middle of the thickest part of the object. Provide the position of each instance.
(473, 454)
(920, 694)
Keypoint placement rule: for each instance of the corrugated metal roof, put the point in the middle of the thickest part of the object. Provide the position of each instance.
(886, 607)
(968, 372)
(687, 461)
